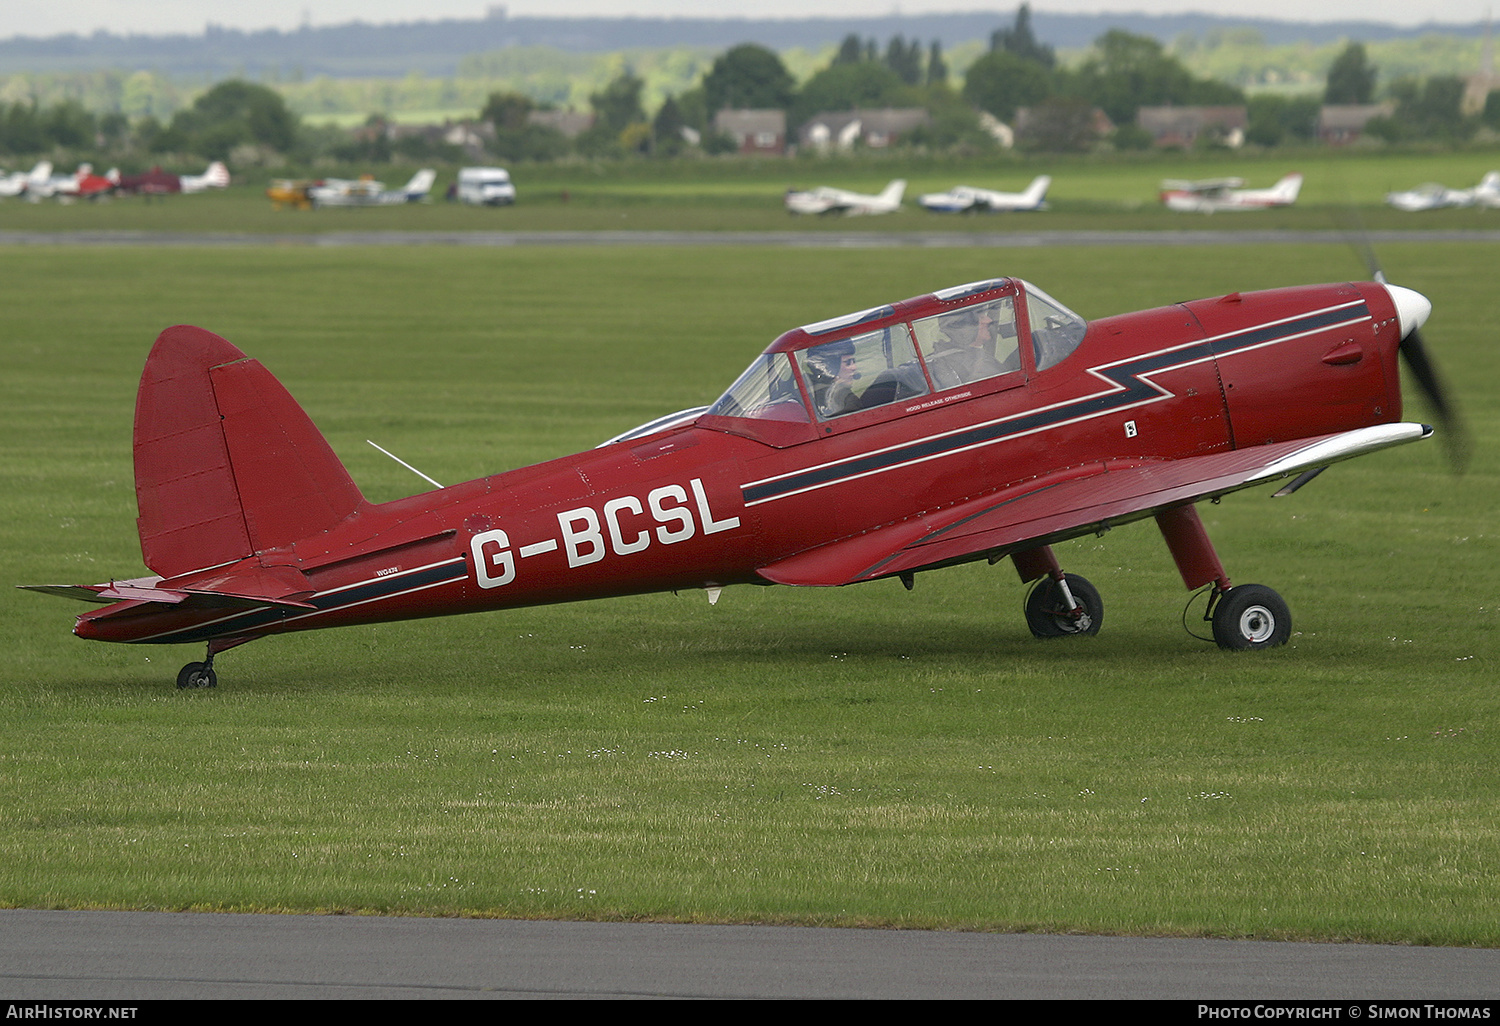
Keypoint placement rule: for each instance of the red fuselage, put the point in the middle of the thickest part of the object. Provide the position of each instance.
(726, 498)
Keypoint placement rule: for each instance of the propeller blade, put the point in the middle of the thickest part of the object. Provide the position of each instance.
(1455, 436)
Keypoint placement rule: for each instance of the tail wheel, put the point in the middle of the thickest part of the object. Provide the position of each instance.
(1050, 615)
(1251, 616)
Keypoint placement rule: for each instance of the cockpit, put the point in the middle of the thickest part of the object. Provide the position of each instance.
(965, 336)
(968, 340)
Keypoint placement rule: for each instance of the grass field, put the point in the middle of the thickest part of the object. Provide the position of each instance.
(856, 756)
(745, 195)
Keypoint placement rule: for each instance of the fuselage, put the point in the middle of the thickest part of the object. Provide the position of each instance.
(746, 486)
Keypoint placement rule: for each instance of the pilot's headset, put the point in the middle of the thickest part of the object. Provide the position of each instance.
(823, 362)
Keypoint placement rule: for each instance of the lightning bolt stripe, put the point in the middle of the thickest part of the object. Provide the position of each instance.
(1129, 384)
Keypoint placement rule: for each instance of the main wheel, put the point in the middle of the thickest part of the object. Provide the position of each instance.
(197, 675)
(1251, 616)
(1049, 616)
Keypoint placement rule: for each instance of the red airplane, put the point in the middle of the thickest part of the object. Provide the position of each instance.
(979, 422)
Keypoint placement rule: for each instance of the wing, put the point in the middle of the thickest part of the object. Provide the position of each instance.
(1069, 504)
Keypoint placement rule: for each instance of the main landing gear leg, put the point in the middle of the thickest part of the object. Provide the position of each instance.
(1060, 604)
(202, 675)
(1247, 616)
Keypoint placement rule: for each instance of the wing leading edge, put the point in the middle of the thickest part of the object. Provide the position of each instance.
(1079, 501)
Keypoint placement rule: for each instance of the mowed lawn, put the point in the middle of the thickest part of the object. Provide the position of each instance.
(860, 756)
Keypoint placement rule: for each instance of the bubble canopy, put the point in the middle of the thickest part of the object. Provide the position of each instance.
(979, 336)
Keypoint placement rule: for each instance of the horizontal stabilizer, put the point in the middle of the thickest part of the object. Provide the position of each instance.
(105, 592)
(254, 587)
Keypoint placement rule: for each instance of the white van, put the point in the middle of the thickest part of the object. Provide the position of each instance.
(486, 186)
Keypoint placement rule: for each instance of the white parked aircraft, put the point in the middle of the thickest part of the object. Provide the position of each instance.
(826, 200)
(1432, 196)
(216, 177)
(19, 182)
(1215, 194)
(366, 192)
(965, 199)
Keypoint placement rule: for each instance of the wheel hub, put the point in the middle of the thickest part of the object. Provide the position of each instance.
(1257, 624)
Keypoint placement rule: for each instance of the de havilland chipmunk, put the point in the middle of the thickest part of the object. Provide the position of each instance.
(979, 422)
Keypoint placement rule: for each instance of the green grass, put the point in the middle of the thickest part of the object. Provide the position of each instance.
(857, 756)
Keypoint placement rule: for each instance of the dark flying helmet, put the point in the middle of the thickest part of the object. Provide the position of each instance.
(824, 361)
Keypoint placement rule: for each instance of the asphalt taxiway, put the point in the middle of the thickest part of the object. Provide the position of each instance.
(144, 956)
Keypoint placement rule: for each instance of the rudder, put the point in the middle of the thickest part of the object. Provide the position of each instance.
(226, 463)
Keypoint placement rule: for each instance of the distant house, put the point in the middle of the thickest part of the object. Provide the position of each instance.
(473, 137)
(1184, 126)
(1061, 125)
(875, 129)
(754, 131)
(569, 123)
(1340, 124)
(1477, 87)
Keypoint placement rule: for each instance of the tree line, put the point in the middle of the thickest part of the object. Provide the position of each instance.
(244, 122)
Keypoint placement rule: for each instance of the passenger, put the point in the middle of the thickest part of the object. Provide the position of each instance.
(970, 352)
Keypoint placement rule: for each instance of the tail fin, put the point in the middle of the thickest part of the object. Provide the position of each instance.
(420, 184)
(217, 175)
(226, 462)
(1036, 192)
(1288, 188)
(894, 191)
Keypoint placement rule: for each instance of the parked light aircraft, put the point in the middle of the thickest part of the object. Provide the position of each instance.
(974, 423)
(291, 192)
(157, 182)
(1432, 196)
(18, 182)
(1216, 194)
(215, 177)
(366, 192)
(965, 199)
(828, 200)
(42, 184)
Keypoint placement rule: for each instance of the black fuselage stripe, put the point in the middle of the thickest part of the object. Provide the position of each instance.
(1133, 388)
(254, 620)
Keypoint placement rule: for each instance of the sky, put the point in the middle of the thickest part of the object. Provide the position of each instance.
(54, 17)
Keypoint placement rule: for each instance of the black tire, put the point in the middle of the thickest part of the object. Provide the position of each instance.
(1249, 617)
(1048, 615)
(197, 675)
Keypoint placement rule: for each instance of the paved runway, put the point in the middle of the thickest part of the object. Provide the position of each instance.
(140, 956)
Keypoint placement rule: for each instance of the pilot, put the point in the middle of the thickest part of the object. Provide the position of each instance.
(832, 372)
(970, 352)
